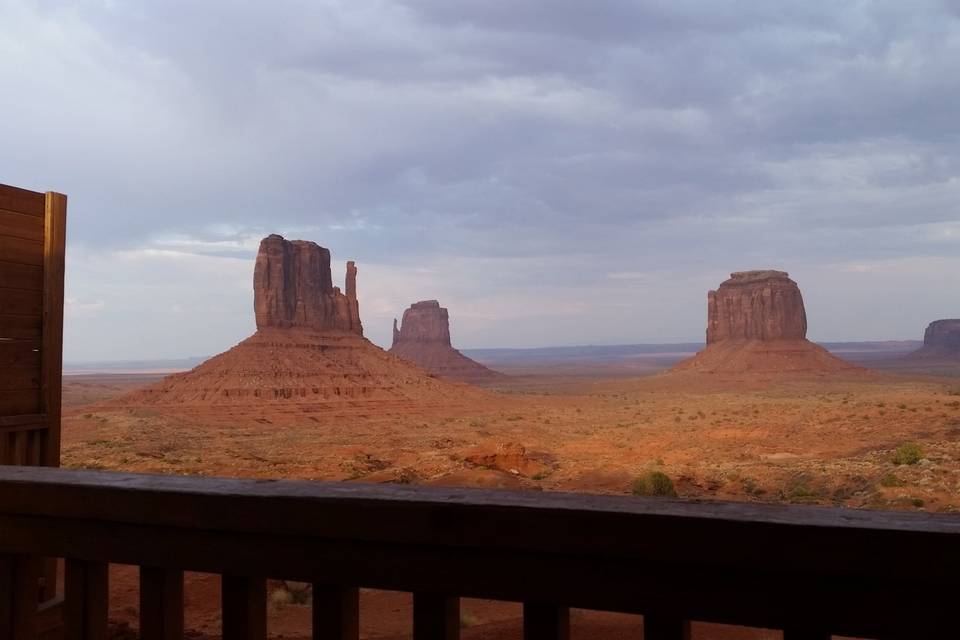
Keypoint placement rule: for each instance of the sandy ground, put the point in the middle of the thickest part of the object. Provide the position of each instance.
(824, 441)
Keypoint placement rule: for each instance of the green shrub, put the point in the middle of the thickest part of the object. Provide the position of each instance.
(891, 480)
(908, 453)
(654, 483)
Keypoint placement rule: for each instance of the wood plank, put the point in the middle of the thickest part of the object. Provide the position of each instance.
(336, 612)
(20, 327)
(805, 631)
(244, 608)
(6, 594)
(161, 604)
(435, 617)
(21, 251)
(20, 225)
(55, 236)
(26, 592)
(19, 378)
(19, 402)
(24, 420)
(17, 353)
(548, 622)
(18, 452)
(21, 276)
(22, 200)
(86, 600)
(665, 627)
(19, 302)
(36, 445)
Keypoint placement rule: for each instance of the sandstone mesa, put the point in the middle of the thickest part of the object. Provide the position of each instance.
(308, 349)
(757, 325)
(423, 338)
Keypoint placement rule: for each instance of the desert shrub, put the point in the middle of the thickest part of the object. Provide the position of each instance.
(908, 453)
(891, 480)
(654, 483)
(917, 502)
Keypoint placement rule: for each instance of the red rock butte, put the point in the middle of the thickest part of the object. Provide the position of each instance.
(423, 338)
(941, 342)
(308, 350)
(757, 324)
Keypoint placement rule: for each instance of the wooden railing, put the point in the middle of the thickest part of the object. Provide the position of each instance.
(810, 571)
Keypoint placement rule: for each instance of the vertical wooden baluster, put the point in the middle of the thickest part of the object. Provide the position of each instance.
(19, 454)
(85, 600)
(34, 447)
(161, 604)
(660, 627)
(244, 608)
(545, 622)
(336, 612)
(24, 585)
(435, 617)
(6, 596)
(4, 448)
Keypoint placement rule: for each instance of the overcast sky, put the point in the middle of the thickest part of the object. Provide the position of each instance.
(555, 172)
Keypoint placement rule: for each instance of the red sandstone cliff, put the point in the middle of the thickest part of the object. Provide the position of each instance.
(757, 324)
(941, 342)
(293, 287)
(308, 351)
(423, 338)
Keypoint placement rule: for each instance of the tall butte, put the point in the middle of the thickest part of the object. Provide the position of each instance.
(757, 324)
(941, 343)
(423, 338)
(308, 350)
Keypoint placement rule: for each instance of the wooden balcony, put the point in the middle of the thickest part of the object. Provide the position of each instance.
(810, 571)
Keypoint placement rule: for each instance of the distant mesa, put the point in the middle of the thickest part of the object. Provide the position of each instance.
(941, 342)
(757, 323)
(308, 349)
(423, 338)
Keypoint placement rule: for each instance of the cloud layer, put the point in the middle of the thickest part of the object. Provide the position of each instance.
(555, 171)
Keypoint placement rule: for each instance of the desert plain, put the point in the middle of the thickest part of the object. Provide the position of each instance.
(575, 424)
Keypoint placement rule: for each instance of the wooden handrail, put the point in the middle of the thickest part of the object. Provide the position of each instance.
(809, 570)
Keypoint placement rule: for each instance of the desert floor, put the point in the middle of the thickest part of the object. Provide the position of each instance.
(806, 441)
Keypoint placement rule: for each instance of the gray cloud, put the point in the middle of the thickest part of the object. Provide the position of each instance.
(538, 145)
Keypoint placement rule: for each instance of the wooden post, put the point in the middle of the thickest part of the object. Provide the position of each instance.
(665, 627)
(244, 608)
(19, 590)
(435, 617)
(51, 351)
(336, 612)
(85, 601)
(545, 622)
(161, 604)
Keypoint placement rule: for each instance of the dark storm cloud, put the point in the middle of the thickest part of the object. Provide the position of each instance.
(612, 136)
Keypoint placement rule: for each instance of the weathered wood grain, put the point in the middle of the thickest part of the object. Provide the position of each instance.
(21, 200)
(51, 352)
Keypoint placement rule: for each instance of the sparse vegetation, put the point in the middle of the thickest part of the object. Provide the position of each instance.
(891, 480)
(908, 453)
(654, 484)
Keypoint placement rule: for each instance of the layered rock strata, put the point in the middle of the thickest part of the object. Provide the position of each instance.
(423, 338)
(757, 324)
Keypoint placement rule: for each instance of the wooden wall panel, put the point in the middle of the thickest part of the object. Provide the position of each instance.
(21, 251)
(20, 327)
(21, 225)
(19, 353)
(22, 201)
(21, 276)
(32, 230)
